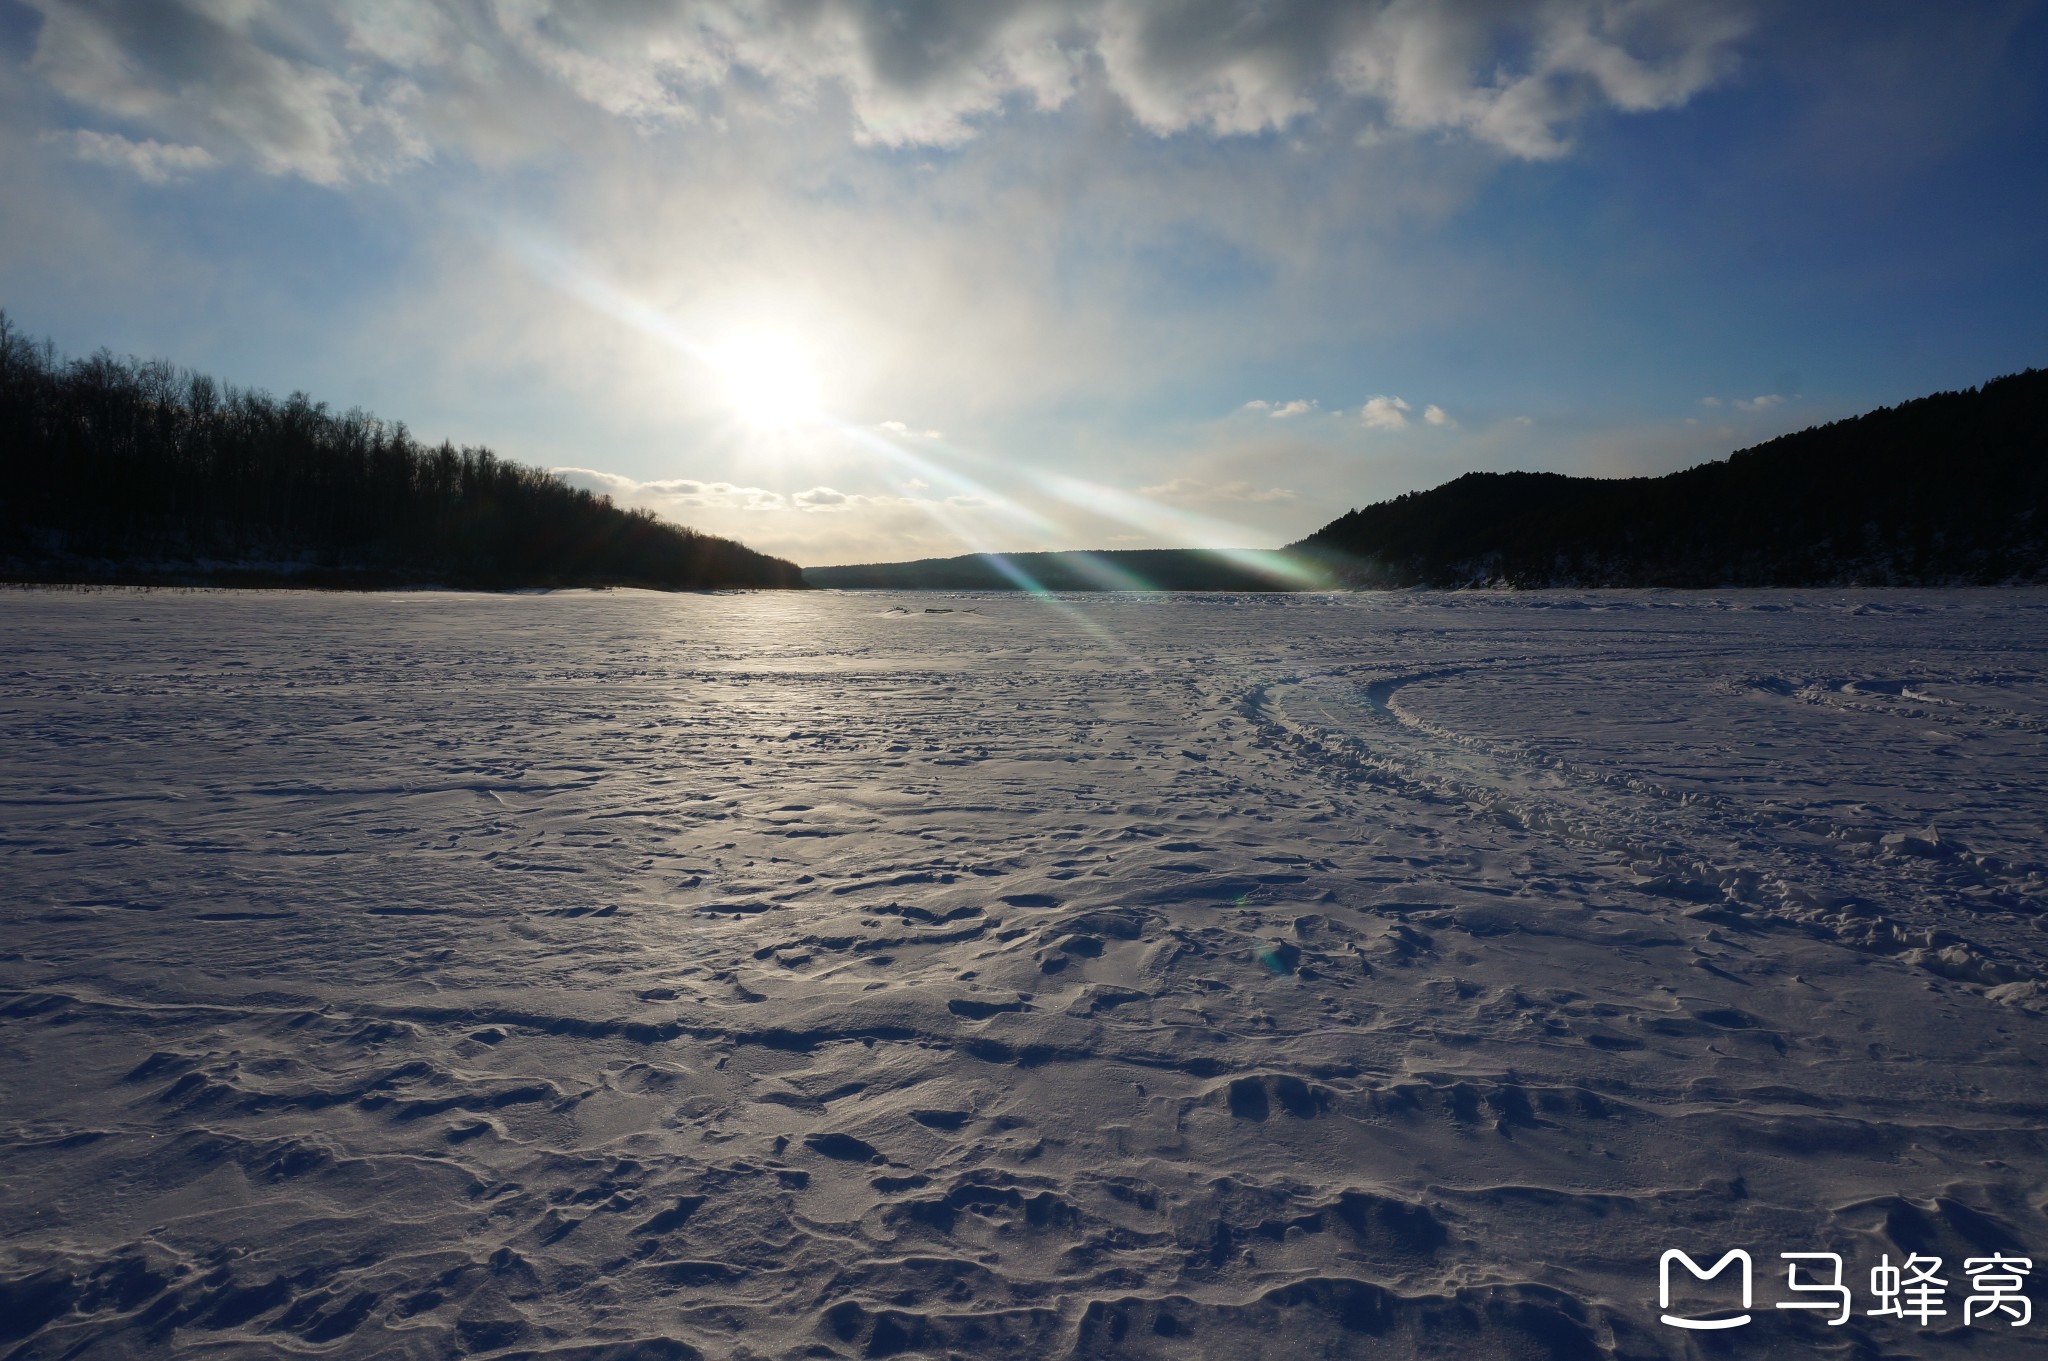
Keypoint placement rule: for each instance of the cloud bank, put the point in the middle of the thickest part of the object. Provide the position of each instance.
(1193, 491)
(368, 90)
(818, 525)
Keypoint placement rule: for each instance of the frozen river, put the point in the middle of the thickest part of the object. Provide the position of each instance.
(619, 975)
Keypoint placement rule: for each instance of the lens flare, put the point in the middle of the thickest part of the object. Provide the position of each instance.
(772, 384)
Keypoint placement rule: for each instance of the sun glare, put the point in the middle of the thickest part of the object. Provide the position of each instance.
(769, 379)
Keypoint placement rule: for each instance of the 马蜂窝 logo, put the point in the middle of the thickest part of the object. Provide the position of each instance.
(1664, 1265)
(1913, 1290)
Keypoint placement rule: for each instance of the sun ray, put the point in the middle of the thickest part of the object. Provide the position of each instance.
(772, 385)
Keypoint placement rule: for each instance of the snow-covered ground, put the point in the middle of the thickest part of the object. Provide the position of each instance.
(819, 974)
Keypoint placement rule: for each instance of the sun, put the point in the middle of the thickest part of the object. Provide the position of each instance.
(768, 379)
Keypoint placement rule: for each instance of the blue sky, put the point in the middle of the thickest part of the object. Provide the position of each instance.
(855, 280)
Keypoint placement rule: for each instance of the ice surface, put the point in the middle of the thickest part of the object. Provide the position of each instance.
(813, 974)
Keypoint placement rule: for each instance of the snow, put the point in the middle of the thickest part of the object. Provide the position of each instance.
(820, 974)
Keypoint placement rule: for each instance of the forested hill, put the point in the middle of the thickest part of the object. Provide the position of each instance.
(1943, 490)
(119, 470)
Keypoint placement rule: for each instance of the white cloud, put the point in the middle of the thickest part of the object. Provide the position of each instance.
(1516, 77)
(1188, 490)
(675, 497)
(1436, 415)
(1385, 413)
(156, 162)
(1442, 66)
(1761, 403)
(819, 524)
(1281, 411)
(902, 431)
(376, 87)
(830, 499)
(678, 497)
(233, 77)
(701, 502)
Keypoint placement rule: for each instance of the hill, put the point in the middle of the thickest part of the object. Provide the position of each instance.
(1133, 569)
(120, 470)
(1944, 490)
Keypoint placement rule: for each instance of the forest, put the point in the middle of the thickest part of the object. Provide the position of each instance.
(1945, 490)
(130, 470)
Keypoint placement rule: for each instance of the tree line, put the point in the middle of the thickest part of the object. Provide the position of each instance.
(127, 469)
(1950, 489)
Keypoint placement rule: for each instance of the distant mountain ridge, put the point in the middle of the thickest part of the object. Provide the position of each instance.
(1943, 490)
(1123, 569)
(1950, 489)
(119, 470)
